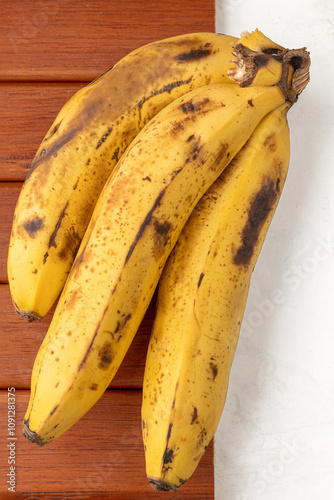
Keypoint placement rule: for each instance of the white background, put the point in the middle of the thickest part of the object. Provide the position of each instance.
(275, 440)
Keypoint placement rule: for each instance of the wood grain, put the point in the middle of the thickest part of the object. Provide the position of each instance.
(20, 342)
(64, 40)
(101, 454)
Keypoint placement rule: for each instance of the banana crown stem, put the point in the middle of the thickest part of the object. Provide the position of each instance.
(248, 62)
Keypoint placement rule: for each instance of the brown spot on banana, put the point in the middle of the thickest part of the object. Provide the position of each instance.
(194, 154)
(104, 137)
(34, 225)
(161, 237)
(169, 432)
(54, 409)
(190, 106)
(214, 370)
(257, 214)
(195, 54)
(84, 359)
(169, 453)
(162, 227)
(201, 437)
(167, 459)
(221, 153)
(178, 127)
(166, 88)
(271, 142)
(200, 280)
(121, 324)
(52, 241)
(149, 216)
(70, 303)
(105, 356)
(71, 244)
(194, 416)
(115, 155)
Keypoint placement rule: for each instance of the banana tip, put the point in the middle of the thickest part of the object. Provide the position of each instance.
(31, 435)
(161, 485)
(28, 315)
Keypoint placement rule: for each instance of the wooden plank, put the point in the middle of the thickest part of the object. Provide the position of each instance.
(102, 454)
(26, 113)
(20, 342)
(76, 41)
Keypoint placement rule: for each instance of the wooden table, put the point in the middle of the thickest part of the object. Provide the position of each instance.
(48, 50)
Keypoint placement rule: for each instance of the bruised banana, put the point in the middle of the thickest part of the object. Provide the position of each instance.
(201, 301)
(137, 220)
(89, 136)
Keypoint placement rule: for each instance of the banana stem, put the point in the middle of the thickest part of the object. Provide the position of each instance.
(300, 61)
(248, 63)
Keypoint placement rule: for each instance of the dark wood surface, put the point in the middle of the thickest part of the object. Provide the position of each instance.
(48, 50)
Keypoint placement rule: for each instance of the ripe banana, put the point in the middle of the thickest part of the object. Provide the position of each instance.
(201, 300)
(86, 140)
(136, 222)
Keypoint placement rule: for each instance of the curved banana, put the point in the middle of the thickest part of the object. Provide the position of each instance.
(84, 144)
(136, 222)
(201, 300)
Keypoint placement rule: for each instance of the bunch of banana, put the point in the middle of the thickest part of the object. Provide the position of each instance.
(136, 223)
(114, 193)
(87, 139)
(201, 301)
